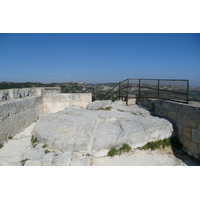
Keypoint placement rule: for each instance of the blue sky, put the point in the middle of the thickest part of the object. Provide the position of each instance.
(99, 57)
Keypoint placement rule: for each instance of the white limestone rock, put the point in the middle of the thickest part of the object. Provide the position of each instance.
(76, 159)
(34, 154)
(4, 162)
(118, 103)
(66, 131)
(47, 159)
(101, 153)
(82, 130)
(79, 160)
(3, 95)
(63, 159)
(14, 150)
(99, 104)
(32, 163)
(115, 128)
(85, 161)
(135, 109)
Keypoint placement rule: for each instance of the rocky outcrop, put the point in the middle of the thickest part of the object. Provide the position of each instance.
(84, 130)
(20, 151)
(99, 104)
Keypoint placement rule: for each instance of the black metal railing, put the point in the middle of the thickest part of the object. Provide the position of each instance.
(167, 89)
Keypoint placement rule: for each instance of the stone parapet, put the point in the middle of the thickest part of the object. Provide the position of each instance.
(21, 107)
(186, 120)
(17, 115)
(12, 94)
(55, 101)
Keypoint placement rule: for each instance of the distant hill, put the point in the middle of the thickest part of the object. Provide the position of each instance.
(98, 90)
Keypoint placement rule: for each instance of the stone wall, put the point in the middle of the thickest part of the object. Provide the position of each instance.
(186, 120)
(148, 103)
(21, 107)
(55, 101)
(17, 114)
(12, 94)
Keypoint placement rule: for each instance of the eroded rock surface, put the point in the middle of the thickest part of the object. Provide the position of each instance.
(20, 151)
(86, 130)
(99, 104)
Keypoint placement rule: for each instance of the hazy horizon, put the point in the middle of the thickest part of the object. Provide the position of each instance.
(81, 81)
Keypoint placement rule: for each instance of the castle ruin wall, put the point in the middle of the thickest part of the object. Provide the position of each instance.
(55, 101)
(186, 120)
(21, 107)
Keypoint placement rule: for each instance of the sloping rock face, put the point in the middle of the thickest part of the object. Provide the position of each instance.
(84, 130)
(99, 104)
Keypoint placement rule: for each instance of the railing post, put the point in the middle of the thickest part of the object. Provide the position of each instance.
(119, 92)
(139, 88)
(127, 92)
(187, 91)
(158, 89)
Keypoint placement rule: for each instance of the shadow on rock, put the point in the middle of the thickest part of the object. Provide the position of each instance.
(180, 154)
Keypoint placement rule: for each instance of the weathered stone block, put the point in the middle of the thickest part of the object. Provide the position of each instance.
(189, 109)
(61, 106)
(179, 116)
(4, 95)
(56, 98)
(187, 132)
(76, 160)
(85, 161)
(38, 91)
(196, 135)
(191, 122)
(160, 111)
(99, 104)
(163, 104)
(177, 107)
(171, 115)
(47, 159)
(34, 154)
(18, 114)
(148, 103)
(9, 126)
(131, 101)
(118, 103)
(22, 104)
(7, 109)
(16, 93)
(78, 129)
(5, 163)
(57, 102)
(63, 159)
(188, 120)
(32, 163)
(158, 102)
(65, 97)
(73, 104)
(192, 146)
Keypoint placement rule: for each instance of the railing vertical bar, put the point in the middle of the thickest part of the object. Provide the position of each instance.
(187, 91)
(119, 92)
(139, 87)
(127, 92)
(158, 88)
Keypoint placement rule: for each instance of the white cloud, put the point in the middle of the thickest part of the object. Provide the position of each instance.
(67, 77)
(52, 78)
